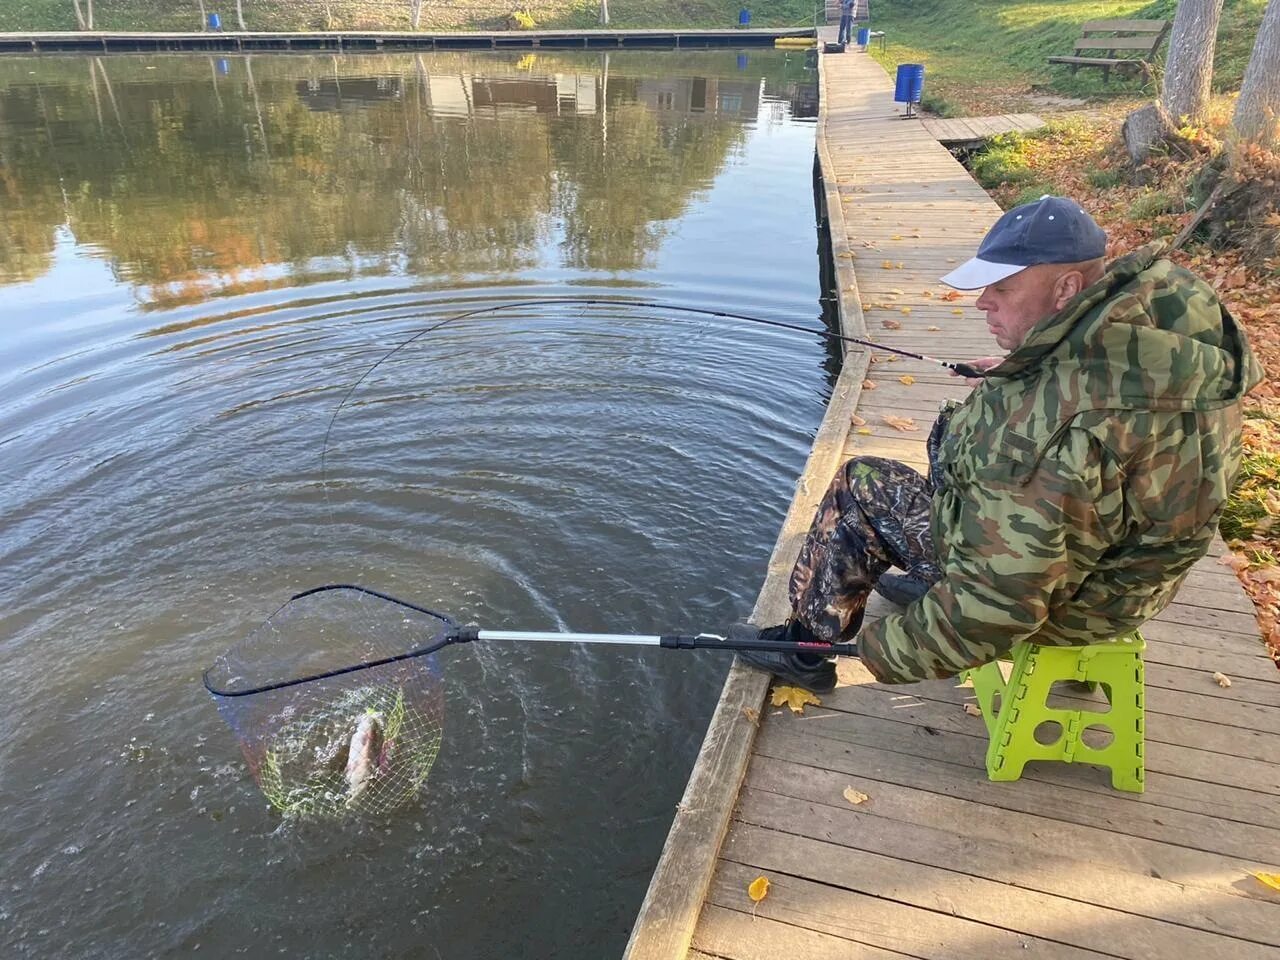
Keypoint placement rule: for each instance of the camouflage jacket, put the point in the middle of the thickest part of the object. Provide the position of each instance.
(1083, 478)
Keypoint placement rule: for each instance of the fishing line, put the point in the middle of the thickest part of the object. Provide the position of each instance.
(959, 368)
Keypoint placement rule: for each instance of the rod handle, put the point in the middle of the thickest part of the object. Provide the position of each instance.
(706, 641)
(967, 370)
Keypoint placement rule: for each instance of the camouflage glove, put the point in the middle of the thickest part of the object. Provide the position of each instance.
(934, 444)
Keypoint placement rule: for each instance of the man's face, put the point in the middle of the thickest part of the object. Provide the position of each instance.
(1016, 304)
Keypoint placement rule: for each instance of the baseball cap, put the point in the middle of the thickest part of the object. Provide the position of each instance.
(1048, 230)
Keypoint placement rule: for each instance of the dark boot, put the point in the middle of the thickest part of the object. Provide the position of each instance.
(812, 671)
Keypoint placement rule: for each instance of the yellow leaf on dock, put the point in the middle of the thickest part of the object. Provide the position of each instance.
(905, 424)
(854, 796)
(759, 889)
(1271, 880)
(794, 697)
(1222, 679)
(907, 380)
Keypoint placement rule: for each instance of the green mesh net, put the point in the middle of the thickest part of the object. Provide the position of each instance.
(336, 712)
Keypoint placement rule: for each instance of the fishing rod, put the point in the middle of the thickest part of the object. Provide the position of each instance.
(958, 367)
(221, 682)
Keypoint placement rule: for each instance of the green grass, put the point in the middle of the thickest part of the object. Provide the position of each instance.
(20, 15)
(978, 52)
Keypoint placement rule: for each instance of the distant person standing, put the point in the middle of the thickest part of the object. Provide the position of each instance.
(846, 20)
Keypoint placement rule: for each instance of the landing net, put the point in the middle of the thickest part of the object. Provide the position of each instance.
(362, 741)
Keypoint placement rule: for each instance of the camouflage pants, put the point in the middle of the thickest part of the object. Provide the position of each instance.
(874, 515)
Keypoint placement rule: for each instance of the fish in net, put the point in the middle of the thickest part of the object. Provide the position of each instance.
(336, 708)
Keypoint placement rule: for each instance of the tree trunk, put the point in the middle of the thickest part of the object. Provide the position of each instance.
(416, 8)
(1257, 113)
(1144, 128)
(204, 17)
(80, 24)
(240, 14)
(1188, 70)
(604, 13)
(89, 13)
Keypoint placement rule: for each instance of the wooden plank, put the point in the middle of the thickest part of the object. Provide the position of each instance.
(1128, 822)
(1022, 850)
(1060, 925)
(861, 918)
(731, 935)
(1126, 26)
(1144, 44)
(1179, 775)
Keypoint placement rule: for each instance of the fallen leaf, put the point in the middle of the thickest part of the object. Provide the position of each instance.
(759, 889)
(794, 697)
(905, 424)
(901, 265)
(752, 715)
(933, 329)
(864, 432)
(895, 292)
(928, 294)
(896, 236)
(858, 421)
(845, 254)
(1271, 880)
(854, 796)
(973, 710)
(958, 312)
(906, 310)
(907, 380)
(887, 265)
(868, 384)
(1222, 679)
(891, 324)
(952, 295)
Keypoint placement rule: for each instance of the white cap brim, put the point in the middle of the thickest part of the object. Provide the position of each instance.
(977, 273)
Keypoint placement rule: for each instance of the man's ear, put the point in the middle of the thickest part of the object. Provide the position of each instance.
(1066, 287)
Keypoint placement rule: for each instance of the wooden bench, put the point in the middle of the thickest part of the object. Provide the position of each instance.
(1101, 40)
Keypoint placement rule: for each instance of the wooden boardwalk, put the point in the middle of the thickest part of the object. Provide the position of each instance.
(974, 131)
(940, 862)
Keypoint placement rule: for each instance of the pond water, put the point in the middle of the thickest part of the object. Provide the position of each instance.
(199, 257)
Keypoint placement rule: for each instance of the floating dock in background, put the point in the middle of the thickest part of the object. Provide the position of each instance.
(938, 863)
(382, 40)
(975, 131)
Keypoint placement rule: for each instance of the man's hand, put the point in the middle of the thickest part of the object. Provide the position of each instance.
(982, 363)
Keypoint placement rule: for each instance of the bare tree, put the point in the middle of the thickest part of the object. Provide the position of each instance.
(1188, 70)
(240, 14)
(1257, 116)
(604, 13)
(415, 12)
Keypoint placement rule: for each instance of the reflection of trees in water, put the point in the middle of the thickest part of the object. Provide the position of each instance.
(214, 168)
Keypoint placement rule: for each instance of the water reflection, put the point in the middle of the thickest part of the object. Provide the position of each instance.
(214, 250)
(193, 182)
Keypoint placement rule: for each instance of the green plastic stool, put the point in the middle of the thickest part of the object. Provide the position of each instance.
(1116, 665)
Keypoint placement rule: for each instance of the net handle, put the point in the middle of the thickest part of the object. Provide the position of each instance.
(455, 633)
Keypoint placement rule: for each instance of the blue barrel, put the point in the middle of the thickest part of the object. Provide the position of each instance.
(215, 22)
(224, 66)
(744, 17)
(864, 36)
(910, 83)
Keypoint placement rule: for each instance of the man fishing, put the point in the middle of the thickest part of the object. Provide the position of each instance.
(1067, 496)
